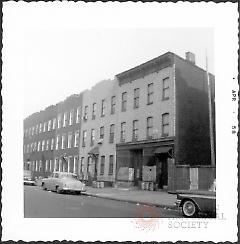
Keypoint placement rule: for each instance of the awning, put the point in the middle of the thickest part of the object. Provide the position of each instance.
(94, 151)
(162, 150)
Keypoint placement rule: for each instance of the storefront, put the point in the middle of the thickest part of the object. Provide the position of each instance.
(144, 161)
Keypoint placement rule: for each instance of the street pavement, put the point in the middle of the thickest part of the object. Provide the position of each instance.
(45, 204)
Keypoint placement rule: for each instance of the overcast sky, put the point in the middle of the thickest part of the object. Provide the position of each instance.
(60, 60)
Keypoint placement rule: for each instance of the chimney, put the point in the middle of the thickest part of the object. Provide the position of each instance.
(190, 57)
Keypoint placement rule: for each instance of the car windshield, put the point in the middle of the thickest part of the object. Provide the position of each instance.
(70, 176)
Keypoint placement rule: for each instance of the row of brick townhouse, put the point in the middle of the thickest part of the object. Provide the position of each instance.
(150, 123)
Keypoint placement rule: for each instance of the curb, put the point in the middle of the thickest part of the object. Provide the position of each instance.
(165, 206)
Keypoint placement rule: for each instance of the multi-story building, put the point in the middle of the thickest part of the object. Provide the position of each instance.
(39, 135)
(51, 138)
(68, 124)
(149, 124)
(97, 152)
(163, 124)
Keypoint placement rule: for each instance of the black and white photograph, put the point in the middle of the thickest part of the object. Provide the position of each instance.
(119, 116)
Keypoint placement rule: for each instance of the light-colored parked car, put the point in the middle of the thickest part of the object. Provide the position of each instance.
(63, 182)
(193, 202)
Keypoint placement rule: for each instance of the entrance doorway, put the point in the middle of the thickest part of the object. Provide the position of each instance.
(161, 171)
(137, 165)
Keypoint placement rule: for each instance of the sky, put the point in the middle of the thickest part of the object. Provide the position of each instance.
(60, 60)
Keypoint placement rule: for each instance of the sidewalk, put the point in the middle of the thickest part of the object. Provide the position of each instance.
(152, 198)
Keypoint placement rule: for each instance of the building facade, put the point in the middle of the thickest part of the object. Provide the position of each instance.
(51, 138)
(149, 124)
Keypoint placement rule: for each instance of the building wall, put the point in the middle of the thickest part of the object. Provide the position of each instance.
(66, 157)
(35, 159)
(192, 118)
(102, 90)
(155, 110)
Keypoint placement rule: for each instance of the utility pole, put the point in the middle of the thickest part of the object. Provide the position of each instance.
(210, 116)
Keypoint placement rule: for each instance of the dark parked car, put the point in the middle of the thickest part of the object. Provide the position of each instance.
(193, 202)
(28, 178)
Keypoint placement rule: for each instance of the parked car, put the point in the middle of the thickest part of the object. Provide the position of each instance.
(193, 202)
(63, 182)
(28, 178)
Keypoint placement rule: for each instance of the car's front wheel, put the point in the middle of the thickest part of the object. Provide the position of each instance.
(189, 209)
(58, 190)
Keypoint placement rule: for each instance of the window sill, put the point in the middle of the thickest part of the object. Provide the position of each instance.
(150, 103)
(165, 99)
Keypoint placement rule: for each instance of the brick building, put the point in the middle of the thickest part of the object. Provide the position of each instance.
(148, 124)
(164, 123)
(39, 137)
(51, 138)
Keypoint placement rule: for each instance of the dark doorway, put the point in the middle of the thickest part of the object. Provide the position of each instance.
(161, 170)
(137, 165)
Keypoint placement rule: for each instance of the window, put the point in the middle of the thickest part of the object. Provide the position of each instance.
(49, 125)
(103, 108)
(37, 129)
(47, 145)
(136, 98)
(35, 146)
(110, 171)
(123, 127)
(57, 141)
(44, 126)
(69, 139)
(75, 164)
(94, 111)
(81, 165)
(43, 145)
(165, 91)
(39, 146)
(50, 165)
(85, 113)
(71, 117)
(149, 127)
(102, 165)
(54, 124)
(84, 138)
(124, 101)
(135, 130)
(33, 130)
(101, 134)
(40, 128)
(165, 124)
(113, 104)
(88, 164)
(150, 94)
(92, 137)
(78, 116)
(52, 144)
(59, 120)
(111, 135)
(64, 119)
(46, 166)
(76, 139)
(63, 141)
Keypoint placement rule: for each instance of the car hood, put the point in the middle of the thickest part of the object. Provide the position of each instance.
(197, 192)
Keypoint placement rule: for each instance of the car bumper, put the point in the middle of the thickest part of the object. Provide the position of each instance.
(177, 203)
(73, 189)
(29, 182)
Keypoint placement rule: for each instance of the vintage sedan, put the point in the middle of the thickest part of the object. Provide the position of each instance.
(193, 202)
(28, 178)
(63, 182)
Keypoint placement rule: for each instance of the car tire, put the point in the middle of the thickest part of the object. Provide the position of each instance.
(58, 190)
(44, 188)
(189, 209)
